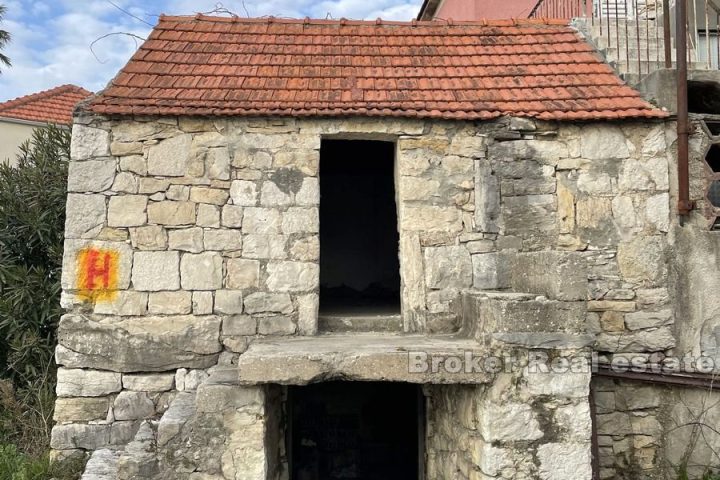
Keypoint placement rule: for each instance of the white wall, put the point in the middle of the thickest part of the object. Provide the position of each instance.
(12, 135)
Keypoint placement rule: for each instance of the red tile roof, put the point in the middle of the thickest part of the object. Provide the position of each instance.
(50, 106)
(235, 66)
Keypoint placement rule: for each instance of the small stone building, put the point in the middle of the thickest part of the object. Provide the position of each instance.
(313, 250)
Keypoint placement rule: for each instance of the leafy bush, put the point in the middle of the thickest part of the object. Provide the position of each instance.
(32, 217)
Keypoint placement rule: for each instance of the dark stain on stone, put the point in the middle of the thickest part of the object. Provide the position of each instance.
(288, 180)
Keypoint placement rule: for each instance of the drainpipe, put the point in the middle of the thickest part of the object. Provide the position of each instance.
(684, 203)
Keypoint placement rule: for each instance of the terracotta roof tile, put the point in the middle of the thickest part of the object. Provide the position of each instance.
(231, 66)
(50, 106)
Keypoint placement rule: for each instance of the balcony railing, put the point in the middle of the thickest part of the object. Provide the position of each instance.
(639, 35)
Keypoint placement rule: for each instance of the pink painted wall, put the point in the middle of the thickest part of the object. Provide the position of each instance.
(480, 9)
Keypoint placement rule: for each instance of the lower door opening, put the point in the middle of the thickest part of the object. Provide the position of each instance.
(359, 240)
(355, 431)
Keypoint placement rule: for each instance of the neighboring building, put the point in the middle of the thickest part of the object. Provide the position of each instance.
(298, 249)
(19, 117)
(468, 10)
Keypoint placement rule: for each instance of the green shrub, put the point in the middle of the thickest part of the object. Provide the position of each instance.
(18, 466)
(32, 217)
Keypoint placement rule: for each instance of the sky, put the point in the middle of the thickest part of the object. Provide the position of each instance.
(51, 39)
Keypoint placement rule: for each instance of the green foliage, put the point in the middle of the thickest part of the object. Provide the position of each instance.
(4, 38)
(32, 217)
(17, 466)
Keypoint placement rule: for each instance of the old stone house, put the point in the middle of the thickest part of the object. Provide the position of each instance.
(330, 249)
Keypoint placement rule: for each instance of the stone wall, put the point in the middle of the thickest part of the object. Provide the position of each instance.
(526, 425)
(186, 239)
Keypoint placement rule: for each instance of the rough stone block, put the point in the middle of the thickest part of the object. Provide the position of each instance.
(239, 325)
(448, 267)
(564, 461)
(180, 193)
(186, 239)
(293, 276)
(603, 142)
(143, 344)
(223, 240)
(150, 237)
(169, 158)
(123, 303)
(171, 213)
(276, 325)
(640, 320)
(133, 406)
(148, 382)
(177, 303)
(86, 409)
(88, 142)
(91, 176)
(430, 218)
(244, 193)
(86, 383)
(86, 437)
(308, 313)
(232, 216)
(213, 196)
(202, 271)
(127, 211)
(309, 193)
(154, 271)
(125, 183)
(217, 161)
(509, 422)
(84, 215)
(202, 303)
(489, 271)
(134, 163)
(228, 301)
(653, 340)
(208, 216)
(260, 302)
(261, 220)
(300, 220)
(242, 273)
(271, 247)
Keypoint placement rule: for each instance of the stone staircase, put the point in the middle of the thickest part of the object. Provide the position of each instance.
(633, 50)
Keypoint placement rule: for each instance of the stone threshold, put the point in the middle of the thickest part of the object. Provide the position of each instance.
(351, 357)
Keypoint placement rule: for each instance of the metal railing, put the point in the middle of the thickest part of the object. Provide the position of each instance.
(638, 35)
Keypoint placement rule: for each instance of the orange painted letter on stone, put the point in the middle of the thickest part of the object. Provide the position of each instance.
(97, 273)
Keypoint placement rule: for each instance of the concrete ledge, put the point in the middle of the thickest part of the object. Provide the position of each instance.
(357, 357)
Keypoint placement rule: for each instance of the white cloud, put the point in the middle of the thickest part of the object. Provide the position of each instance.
(51, 40)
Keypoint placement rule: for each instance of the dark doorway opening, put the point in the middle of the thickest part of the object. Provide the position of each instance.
(359, 240)
(355, 431)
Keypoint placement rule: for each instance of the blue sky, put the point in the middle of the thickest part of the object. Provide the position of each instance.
(51, 38)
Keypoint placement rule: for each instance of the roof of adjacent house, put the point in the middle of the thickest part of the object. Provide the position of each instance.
(49, 106)
(235, 66)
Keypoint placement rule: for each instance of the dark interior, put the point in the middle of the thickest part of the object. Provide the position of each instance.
(359, 265)
(713, 158)
(713, 126)
(703, 97)
(355, 431)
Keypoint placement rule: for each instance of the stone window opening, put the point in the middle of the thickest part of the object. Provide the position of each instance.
(712, 158)
(355, 431)
(359, 239)
(703, 96)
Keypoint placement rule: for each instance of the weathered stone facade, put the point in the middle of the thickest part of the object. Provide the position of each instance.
(518, 236)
